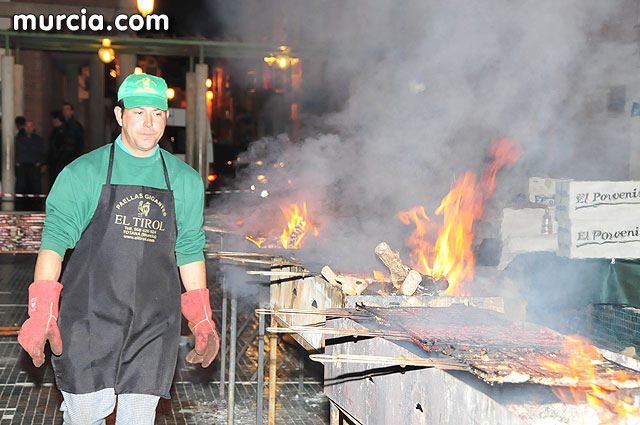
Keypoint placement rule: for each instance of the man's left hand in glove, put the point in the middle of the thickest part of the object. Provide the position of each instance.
(197, 309)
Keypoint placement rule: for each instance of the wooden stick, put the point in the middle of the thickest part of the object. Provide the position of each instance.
(9, 330)
(273, 263)
(216, 229)
(273, 354)
(282, 273)
(248, 260)
(401, 361)
(340, 331)
(244, 254)
(336, 312)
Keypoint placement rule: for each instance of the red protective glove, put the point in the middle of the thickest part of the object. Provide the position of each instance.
(42, 324)
(197, 309)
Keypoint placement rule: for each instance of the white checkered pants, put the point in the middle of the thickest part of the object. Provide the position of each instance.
(93, 408)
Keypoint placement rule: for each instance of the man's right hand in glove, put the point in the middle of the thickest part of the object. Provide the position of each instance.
(42, 324)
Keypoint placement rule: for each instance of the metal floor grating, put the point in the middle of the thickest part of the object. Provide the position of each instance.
(28, 395)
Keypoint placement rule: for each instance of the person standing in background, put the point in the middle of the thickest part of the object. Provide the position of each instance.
(56, 146)
(73, 133)
(31, 154)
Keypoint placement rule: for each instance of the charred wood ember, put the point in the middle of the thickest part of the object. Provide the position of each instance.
(298, 232)
(431, 287)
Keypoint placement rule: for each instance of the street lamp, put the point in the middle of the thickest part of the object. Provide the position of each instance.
(145, 7)
(105, 52)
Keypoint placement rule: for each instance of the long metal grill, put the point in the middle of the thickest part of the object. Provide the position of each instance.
(500, 351)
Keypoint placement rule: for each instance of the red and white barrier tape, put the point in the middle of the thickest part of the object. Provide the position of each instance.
(23, 195)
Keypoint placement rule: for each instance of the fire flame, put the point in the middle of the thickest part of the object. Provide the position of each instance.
(451, 256)
(297, 226)
(258, 241)
(378, 275)
(581, 368)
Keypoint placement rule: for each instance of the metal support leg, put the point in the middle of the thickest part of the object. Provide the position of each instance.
(303, 355)
(223, 342)
(334, 414)
(260, 382)
(232, 357)
(273, 349)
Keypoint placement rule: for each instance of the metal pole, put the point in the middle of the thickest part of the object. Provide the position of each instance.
(8, 146)
(223, 342)
(260, 368)
(96, 136)
(273, 349)
(201, 120)
(232, 357)
(128, 64)
(303, 355)
(190, 152)
(18, 90)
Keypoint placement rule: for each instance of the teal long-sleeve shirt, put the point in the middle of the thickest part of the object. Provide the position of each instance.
(74, 197)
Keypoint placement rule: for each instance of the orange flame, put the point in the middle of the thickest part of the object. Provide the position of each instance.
(451, 256)
(258, 242)
(378, 275)
(580, 367)
(298, 225)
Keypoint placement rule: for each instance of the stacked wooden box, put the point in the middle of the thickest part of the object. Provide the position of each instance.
(598, 219)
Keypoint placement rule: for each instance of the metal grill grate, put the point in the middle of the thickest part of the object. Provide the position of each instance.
(614, 326)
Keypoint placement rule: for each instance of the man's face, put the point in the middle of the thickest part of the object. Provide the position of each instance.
(29, 128)
(142, 128)
(67, 112)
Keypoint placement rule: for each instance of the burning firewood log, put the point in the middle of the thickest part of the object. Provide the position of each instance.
(330, 275)
(393, 262)
(411, 283)
(403, 278)
(352, 285)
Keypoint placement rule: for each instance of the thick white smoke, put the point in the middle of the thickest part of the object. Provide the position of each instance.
(424, 87)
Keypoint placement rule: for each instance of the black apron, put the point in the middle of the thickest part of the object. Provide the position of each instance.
(120, 306)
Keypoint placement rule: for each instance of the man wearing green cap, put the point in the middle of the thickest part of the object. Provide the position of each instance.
(133, 213)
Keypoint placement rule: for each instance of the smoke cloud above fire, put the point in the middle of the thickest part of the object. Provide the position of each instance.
(418, 90)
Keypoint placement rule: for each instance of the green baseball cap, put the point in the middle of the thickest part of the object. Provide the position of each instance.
(143, 90)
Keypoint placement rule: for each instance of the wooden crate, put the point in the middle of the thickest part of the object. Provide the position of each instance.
(304, 294)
